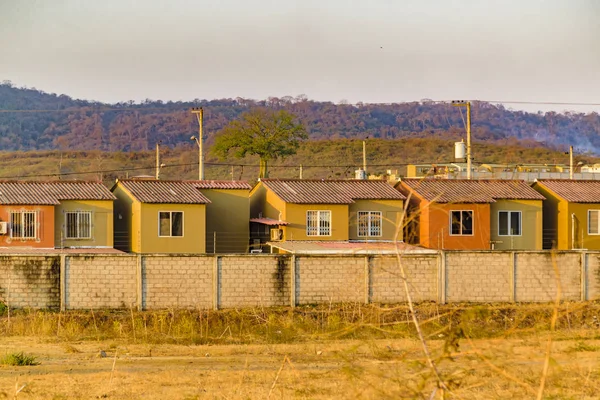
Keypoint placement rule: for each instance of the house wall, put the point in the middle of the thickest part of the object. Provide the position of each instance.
(583, 240)
(295, 215)
(550, 212)
(391, 211)
(123, 225)
(153, 281)
(228, 216)
(102, 223)
(194, 229)
(437, 232)
(531, 225)
(45, 227)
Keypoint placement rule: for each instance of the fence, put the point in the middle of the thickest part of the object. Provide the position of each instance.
(229, 281)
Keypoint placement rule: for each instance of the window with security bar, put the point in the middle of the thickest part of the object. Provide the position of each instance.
(318, 223)
(369, 223)
(23, 224)
(78, 225)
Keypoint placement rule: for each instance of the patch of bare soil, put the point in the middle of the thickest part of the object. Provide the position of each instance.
(481, 369)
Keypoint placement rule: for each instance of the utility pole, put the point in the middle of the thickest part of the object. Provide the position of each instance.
(365, 156)
(571, 162)
(157, 162)
(462, 103)
(200, 115)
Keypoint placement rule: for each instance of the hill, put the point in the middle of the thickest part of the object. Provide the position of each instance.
(57, 122)
(319, 159)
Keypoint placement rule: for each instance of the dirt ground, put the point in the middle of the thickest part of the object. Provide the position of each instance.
(482, 369)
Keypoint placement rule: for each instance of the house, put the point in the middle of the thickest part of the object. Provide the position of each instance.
(55, 214)
(459, 214)
(571, 213)
(227, 215)
(153, 216)
(324, 210)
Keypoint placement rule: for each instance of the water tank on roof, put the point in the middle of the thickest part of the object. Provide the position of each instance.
(460, 150)
(360, 174)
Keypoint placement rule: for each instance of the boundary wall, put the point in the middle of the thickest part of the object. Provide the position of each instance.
(95, 281)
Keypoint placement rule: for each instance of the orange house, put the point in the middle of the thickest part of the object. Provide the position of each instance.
(457, 214)
(59, 214)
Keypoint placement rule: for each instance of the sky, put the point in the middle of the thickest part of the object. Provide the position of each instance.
(376, 51)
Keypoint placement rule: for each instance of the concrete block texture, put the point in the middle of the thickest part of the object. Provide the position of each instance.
(95, 281)
(478, 277)
(30, 281)
(387, 285)
(254, 281)
(537, 275)
(177, 282)
(330, 279)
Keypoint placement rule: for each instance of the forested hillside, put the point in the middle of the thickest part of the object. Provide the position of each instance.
(59, 122)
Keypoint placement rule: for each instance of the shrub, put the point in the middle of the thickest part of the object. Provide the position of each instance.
(18, 359)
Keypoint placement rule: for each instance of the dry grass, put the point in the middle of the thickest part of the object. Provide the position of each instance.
(343, 351)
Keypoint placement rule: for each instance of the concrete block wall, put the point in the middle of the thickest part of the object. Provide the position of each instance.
(223, 281)
(592, 268)
(177, 281)
(387, 285)
(30, 281)
(95, 281)
(331, 279)
(536, 276)
(478, 276)
(261, 280)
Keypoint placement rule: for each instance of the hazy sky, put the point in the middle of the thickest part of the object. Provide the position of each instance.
(369, 51)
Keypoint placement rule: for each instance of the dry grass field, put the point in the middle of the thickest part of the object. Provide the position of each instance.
(344, 351)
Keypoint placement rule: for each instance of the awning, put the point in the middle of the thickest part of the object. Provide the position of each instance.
(269, 221)
(347, 247)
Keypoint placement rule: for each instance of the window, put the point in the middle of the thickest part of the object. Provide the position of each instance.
(461, 222)
(509, 223)
(318, 223)
(170, 223)
(593, 222)
(23, 224)
(78, 225)
(369, 223)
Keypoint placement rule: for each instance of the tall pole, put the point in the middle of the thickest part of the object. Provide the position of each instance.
(157, 162)
(571, 162)
(365, 156)
(462, 103)
(200, 115)
(468, 140)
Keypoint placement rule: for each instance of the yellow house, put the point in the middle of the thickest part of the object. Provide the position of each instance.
(324, 210)
(153, 216)
(227, 215)
(571, 213)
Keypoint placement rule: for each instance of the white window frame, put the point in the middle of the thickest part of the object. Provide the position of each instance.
(462, 234)
(589, 225)
(371, 216)
(509, 223)
(78, 214)
(319, 229)
(170, 235)
(21, 215)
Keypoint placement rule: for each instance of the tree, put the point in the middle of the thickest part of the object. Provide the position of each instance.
(266, 133)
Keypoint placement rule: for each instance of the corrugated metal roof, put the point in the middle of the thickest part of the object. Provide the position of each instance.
(269, 221)
(574, 191)
(315, 191)
(222, 185)
(346, 247)
(471, 191)
(169, 192)
(51, 192)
